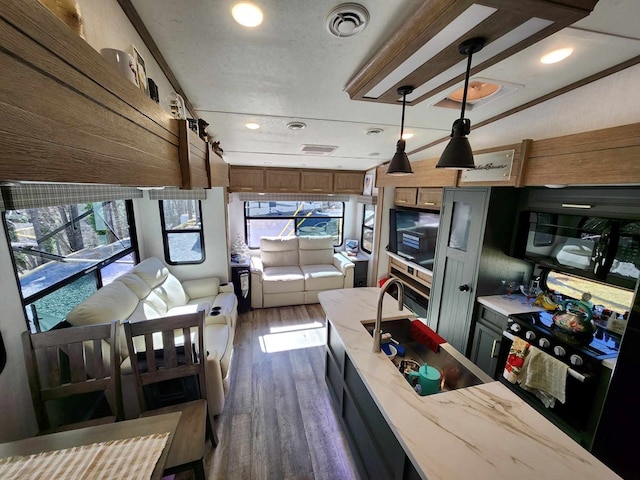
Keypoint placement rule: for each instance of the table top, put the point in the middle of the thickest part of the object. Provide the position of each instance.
(96, 434)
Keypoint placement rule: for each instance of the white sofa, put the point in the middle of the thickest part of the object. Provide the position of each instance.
(149, 290)
(292, 270)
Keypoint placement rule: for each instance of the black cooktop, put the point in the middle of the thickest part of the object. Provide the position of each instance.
(601, 344)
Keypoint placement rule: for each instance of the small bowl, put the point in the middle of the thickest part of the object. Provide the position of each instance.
(394, 352)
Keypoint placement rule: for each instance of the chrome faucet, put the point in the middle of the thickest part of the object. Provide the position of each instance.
(377, 332)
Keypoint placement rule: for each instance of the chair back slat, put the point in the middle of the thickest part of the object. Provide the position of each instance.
(174, 358)
(169, 348)
(70, 361)
(75, 351)
(54, 377)
(188, 346)
(97, 361)
(150, 352)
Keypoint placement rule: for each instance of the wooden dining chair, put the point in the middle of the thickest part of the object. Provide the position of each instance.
(163, 349)
(68, 373)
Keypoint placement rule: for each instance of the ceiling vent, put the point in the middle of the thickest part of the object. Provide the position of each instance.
(347, 20)
(318, 150)
(481, 92)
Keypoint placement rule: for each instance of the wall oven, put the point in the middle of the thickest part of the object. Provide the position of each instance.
(586, 379)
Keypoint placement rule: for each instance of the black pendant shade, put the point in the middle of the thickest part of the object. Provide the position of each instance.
(458, 153)
(399, 164)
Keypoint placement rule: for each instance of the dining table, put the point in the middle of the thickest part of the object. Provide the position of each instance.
(153, 432)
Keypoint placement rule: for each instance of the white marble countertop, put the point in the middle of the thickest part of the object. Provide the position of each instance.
(516, 303)
(481, 432)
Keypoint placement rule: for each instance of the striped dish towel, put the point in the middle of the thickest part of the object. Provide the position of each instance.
(515, 360)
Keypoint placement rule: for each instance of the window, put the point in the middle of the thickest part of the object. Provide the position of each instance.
(63, 254)
(366, 234)
(613, 298)
(182, 231)
(286, 218)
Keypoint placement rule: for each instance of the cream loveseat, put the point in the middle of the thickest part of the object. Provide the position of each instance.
(292, 270)
(148, 291)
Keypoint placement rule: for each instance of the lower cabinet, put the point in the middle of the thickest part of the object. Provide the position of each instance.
(377, 452)
(487, 338)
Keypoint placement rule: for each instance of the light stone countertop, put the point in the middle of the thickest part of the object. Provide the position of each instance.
(508, 306)
(481, 432)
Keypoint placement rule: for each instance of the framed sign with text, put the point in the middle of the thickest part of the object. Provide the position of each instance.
(490, 167)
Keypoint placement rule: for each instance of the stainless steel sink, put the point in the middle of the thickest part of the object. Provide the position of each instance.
(458, 371)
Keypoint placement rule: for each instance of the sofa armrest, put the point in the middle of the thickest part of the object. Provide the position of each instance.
(256, 282)
(201, 287)
(226, 288)
(342, 263)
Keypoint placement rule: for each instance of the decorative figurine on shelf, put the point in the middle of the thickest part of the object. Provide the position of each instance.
(69, 12)
(215, 146)
(239, 250)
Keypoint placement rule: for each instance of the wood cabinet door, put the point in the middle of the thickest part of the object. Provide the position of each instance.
(430, 198)
(315, 181)
(348, 182)
(246, 179)
(405, 196)
(282, 180)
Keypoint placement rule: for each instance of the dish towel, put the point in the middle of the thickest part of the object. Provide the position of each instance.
(545, 376)
(515, 360)
(423, 334)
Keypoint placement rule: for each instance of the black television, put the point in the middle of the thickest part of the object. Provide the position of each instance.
(413, 234)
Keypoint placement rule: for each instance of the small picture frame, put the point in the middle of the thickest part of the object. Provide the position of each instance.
(141, 68)
(368, 184)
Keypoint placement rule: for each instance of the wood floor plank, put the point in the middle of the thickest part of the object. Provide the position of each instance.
(278, 422)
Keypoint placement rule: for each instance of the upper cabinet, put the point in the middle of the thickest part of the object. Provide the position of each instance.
(405, 196)
(601, 157)
(429, 198)
(290, 180)
(246, 179)
(61, 100)
(316, 181)
(276, 180)
(348, 182)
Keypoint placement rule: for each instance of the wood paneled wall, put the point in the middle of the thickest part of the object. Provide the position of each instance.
(67, 116)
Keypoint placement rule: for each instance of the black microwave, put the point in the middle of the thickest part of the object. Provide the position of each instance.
(602, 249)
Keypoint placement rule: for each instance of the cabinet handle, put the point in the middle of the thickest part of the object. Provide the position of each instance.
(245, 188)
(576, 205)
(464, 288)
(402, 201)
(428, 203)
(493, 348)
(316, 189)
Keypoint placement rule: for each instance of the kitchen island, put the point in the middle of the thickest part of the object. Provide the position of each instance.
(479, 432)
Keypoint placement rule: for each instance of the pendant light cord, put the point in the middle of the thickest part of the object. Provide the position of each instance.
(404, 101)
(466, 85)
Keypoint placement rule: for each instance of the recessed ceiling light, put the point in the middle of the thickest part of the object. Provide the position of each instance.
(252, 126)
(556, 55)
(374, 131)
(407, 136)
(247, 14)
(296, 125)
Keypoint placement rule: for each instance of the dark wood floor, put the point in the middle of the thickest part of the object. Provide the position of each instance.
(278, 422)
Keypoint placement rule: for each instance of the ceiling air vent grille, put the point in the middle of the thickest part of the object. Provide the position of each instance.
(318, 150)
(347, 20)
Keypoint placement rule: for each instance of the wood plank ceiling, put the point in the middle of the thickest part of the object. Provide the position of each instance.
(424, 52)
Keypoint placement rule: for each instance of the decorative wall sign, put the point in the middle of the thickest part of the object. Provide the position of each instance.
(490, 167)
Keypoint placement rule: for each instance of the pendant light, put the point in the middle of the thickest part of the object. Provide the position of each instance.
(458, 153)
(399, 164)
